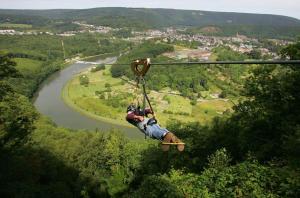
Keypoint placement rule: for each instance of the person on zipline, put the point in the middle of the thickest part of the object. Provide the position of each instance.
(150, 127)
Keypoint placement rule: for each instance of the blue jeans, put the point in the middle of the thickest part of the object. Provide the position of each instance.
(154, 131)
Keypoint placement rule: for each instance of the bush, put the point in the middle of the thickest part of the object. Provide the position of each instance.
(166, 98)
(84, 80)
(107, 85)
(183, 113)
(167, 112)
(223, 94)
(108, 89)
(193, 102)
(98, 68)
(102, 96)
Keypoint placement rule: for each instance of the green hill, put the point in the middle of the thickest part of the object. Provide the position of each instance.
(159, 17)
(143, 18)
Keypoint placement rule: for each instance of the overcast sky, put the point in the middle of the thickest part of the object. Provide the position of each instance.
(281, 7)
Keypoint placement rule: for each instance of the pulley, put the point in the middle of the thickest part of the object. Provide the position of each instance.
(140, 71)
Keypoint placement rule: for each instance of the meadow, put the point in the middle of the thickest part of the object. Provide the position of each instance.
(105, 97)
(15, 25)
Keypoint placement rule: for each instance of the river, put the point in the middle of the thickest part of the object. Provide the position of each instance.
(49, 102)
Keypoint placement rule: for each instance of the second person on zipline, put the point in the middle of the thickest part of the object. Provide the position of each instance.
(150, 127)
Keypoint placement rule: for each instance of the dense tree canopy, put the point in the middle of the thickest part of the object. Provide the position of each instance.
(16, 113)
(189, 80)
(7, 67)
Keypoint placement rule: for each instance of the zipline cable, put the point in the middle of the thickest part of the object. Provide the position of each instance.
(258, 62)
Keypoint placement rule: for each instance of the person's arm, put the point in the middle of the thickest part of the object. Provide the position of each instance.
(131, 116)
(148, 111)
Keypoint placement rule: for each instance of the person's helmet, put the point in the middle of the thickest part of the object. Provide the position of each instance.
(131, 108)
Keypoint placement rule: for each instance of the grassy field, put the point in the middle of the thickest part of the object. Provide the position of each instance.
(15, 25)
(107, 98)
(27, 66)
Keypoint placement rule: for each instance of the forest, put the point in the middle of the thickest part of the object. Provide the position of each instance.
(252, 153)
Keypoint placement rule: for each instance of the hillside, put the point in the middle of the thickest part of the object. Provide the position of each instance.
(143, 18)
(252, 153)
(240, 124)
(159, 17)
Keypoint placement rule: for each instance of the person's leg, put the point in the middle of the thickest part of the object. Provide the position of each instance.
(171, 138)
(156, 132)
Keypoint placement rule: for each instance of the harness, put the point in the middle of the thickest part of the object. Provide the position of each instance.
(140, 73)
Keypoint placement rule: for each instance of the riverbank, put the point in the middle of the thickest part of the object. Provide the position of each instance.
(60, 67)
(90, 58)
(70, 103)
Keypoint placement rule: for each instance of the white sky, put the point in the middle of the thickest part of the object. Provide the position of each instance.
(281, 7)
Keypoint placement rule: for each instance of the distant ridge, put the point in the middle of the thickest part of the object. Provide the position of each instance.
(155, 18)
(160, 17)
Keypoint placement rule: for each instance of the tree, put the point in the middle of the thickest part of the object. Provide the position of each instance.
(226, 54)
(98, 68)
(221, 179)
(5, 89)
(268, 122)
(107, 85)
(223, 94)
(84, 80)
(7, 67)
(17, 116)
(254, 54)
(292, 51)
(16, 112)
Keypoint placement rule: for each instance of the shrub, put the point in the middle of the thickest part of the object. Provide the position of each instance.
(98, 68)
(107, 85)
(166, 98)
(84, 80)
(193, 102)
(223, 94)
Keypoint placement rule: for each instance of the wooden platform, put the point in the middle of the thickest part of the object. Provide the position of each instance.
(172, 143)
